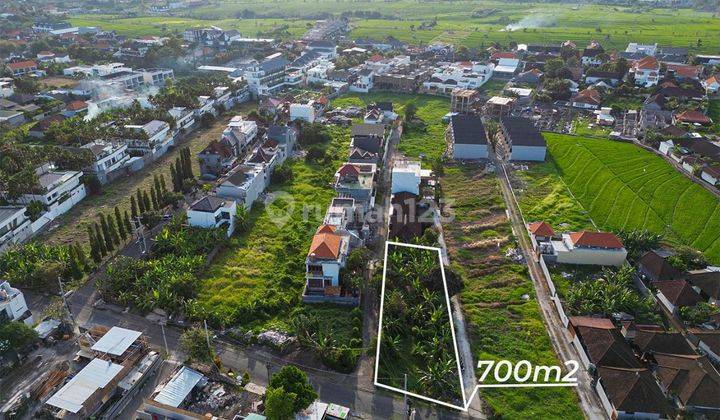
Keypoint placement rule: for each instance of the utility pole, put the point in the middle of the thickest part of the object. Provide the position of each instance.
(65, 303)
(162, 327)
(140, 234)
(405, 398)
(207, 336)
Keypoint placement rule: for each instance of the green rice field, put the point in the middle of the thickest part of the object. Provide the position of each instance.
(468, 23)
(622, 186)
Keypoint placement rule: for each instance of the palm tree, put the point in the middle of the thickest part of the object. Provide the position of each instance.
(242, 219)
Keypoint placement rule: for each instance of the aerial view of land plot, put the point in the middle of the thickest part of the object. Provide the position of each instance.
(359, 209)
(416, 343)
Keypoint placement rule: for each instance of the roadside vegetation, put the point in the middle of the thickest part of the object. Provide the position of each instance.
(503, 317)
(623, 187)
(416, 331)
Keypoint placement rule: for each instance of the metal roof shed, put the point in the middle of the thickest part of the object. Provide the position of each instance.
(116, 341)
(97, 374)
(178, 388)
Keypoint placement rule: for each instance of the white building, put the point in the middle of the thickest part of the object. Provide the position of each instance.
(245, 184)
(184, 119)
(646, 71)
(213, 212)
(156, 77)
(406, 177)
(303, 112)
(589, 248)
(7, 87)
(267, 76)
(364, 81)
(519, 140)
(644, 49)
(15, 226)
(239, 133)
(462, 75)
(711, 175)
(108, 157)
(13, 306)
(81, 396)
(59, 191)
(154, 140)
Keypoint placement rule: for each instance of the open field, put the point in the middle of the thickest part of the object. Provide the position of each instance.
(429, 140)
(503, 323)
(71, 226)
(155, 25)
(457, 22)
(625, 187)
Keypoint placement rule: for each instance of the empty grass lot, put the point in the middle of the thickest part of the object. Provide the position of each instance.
(428, 141)
(625, 187)
(501, 323)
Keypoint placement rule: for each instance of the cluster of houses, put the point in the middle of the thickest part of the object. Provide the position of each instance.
(645, 370)
(242, 161)
(345, 226)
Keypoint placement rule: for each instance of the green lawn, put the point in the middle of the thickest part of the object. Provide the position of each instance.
(625, 187)
(430, 140)
(502, 325)
(456, 22)
(581, 126)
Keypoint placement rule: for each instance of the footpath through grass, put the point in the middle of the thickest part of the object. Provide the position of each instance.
(503, 316)
(428, 140)
(625, 187)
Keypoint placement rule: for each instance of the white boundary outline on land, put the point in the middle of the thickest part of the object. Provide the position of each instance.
(466, 401)
(452, 329)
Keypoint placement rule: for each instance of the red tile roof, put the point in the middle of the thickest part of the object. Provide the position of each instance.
(712, 79)
(683, 70)
(588, 96)
(694, 117)
(633, 390)
(76, 105)
(22, 65)
(596, 240)
(375, 58)
(325, 244)
(499, 55)
(648, 63)
(590, 322)
(541, 229)
(349, 170)
(691, 378)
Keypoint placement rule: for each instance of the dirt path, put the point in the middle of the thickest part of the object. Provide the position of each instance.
(589, 401)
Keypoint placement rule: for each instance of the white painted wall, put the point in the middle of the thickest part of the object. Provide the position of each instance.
(529, 153)
(470, 151)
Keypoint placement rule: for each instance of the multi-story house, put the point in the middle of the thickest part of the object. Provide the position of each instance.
(7, 87)
(14, 226)
(156, 77)
(213, 212)
(356, 180)
(267, 76)
(21, 68)
(364, 81)
(216, 159)
(13, 306)
(326, 257)
(184, 120)
(58, 191)
(244, 184)
(646, 71)
(107, 158)
(152, 138)
(592, 53)
(239, 134)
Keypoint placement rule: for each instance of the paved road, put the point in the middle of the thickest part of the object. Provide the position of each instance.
(589, 401)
